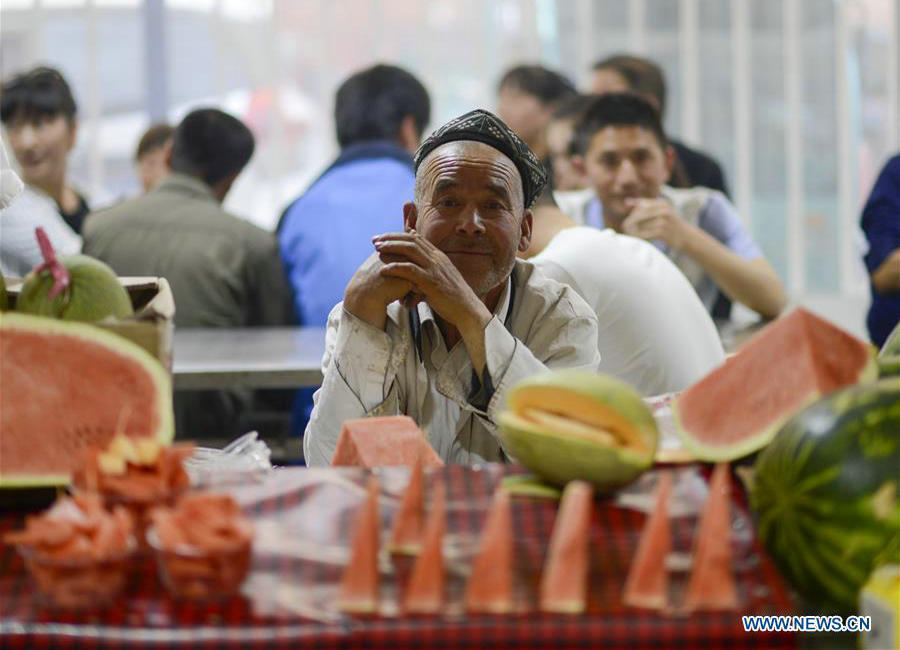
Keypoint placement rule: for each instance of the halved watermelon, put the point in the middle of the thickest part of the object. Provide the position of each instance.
(647, 584)
(711, 584)
(65, 387)
(425, 592)
(490, 586)
(564, 580)
(378, 441)
(737, 408)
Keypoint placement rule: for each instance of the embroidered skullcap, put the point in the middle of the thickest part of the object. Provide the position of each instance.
(481, 126)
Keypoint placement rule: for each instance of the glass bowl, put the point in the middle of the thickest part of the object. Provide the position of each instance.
(191, 573)
(78, 582)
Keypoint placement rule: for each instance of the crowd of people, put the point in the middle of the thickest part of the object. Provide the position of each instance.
(566, 231)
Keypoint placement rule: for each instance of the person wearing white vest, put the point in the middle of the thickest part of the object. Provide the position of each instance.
(628, 162)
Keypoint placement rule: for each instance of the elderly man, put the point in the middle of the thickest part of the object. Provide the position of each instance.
(443, 319)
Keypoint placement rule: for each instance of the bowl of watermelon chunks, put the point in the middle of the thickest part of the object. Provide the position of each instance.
(78, 553)
(202, 546)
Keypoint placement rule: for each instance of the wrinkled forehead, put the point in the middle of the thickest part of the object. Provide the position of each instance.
(450, 157)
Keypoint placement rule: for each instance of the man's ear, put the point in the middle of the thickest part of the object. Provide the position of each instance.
(670, 162)
(220, 190)
(410, 216)
(578, 164)
(167, 153)
(408, 136)
(73, 134)
(526, 230)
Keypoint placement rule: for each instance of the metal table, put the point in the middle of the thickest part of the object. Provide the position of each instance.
(261, 357)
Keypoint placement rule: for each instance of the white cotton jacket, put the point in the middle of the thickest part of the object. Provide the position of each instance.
(407, 369)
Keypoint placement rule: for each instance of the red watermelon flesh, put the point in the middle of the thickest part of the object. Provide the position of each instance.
(647, 584)
(490, 585)
(378, 441)
(425, 592)
(564, 580)
(359, 584)
(711, 585)
(737, 408)
(66, 387)
(406, 532)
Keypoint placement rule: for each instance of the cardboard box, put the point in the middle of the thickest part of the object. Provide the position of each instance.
(152, 326)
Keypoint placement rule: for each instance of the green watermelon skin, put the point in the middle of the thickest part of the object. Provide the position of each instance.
(826, 493)
(889, 356)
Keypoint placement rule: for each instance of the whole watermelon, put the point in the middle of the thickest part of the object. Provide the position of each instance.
(889, 356)
(826, 493)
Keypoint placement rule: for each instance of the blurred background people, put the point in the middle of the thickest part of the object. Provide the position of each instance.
(881, 224)
(571, 187)
(627, 73)
(628, 162)
(152, 155)
(223, 270)
(38, 112)
(325, 234)
(527, 96)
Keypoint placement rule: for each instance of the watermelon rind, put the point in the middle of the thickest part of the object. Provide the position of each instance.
(826, 493)
(751, 444)
(165, 431)
(889, 356)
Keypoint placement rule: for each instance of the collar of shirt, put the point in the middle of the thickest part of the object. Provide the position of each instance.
(437, 348)
(185, 185)
(371, 149)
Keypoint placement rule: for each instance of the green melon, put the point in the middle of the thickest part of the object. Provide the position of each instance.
(826, 493)
(565, 425)
(69, 386)
(889, 356)
(94, 292)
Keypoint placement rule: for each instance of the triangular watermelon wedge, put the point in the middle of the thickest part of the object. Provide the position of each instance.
(359, 585)
(647, 584)
(738, 407)
(425, 592)
(379, 441)
(490, 586)
(564, 580)
(409, 523)
(711, 585)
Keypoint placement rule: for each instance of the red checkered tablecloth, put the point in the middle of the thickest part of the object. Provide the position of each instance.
(304, 521)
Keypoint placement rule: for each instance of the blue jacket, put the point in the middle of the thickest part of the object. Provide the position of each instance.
(326, 234)
(881, 223)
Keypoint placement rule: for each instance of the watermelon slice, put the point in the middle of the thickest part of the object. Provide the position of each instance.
(490, 585)
(425, 592)
(564, 580)
(70, 386)
(409, 524)
(359, 585)
(711, 585)
(647, 584)
(377, 441)
(737, 408)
